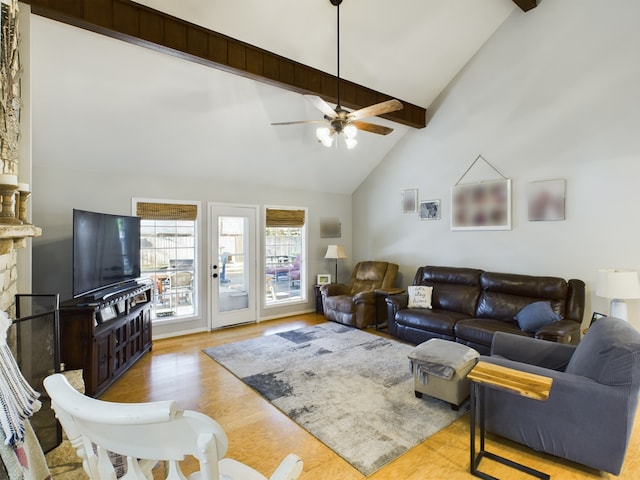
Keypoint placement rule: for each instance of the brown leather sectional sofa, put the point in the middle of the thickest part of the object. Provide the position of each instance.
(470, 305)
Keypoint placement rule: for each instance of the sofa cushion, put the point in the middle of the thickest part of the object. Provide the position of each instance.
(434, 320)
(535, 316)
(419, 296)
(480, 330)
(505, 294)
(609, 353)
(455, 289)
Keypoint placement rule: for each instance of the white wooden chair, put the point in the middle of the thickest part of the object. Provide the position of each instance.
(146, 433)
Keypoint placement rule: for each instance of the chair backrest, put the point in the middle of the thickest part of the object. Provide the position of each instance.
(152, 431)
(370, 275)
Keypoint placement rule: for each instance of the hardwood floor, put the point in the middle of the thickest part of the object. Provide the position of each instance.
(260, 435)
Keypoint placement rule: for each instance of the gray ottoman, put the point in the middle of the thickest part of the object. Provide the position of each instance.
(440, 368)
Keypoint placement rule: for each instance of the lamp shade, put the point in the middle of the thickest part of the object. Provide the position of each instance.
(617, 284)
(335, 251)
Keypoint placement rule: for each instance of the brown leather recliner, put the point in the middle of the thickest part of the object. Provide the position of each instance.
(354, 304)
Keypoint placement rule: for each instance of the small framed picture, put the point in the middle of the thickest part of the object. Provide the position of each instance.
(409, 200)
(323, 279)
(121, 307)
(429, 210)
(596, 316)
(106, 314)
(546, 200)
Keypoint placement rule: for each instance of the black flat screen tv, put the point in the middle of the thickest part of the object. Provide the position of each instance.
(106, 252)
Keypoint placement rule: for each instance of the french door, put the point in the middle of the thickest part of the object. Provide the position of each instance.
(233, 264)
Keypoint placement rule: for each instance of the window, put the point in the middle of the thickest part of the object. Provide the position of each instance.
(285, 241)
(168, 256)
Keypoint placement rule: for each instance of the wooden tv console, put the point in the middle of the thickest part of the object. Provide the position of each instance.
(104, 338)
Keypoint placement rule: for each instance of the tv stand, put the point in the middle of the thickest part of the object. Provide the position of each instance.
(107, 336)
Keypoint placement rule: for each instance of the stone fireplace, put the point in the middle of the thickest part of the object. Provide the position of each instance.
(12, 238)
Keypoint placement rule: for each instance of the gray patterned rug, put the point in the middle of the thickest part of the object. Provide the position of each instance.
(350, 389)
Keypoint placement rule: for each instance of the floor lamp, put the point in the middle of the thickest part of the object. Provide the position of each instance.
(335, 252)
(618, 285)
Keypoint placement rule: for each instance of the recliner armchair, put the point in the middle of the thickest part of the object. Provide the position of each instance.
(354, 303)
(590, 412)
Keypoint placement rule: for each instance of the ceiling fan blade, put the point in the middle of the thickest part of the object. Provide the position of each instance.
(321, 105)
(377, 109)
(299, 122)
(371, 127)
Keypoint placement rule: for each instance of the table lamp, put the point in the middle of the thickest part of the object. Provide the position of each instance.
(618, 285)
(335, 251)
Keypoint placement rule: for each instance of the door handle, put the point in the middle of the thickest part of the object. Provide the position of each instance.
(215, 274)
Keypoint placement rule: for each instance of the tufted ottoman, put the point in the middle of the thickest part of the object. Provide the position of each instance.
(440, 369)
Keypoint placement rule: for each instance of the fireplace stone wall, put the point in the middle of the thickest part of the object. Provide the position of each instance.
(12, 238)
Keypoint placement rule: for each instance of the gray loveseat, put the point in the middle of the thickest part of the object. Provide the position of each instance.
(592, 404)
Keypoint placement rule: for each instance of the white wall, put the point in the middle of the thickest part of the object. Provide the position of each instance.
(58, 191)
(552, 95)
(72, 171)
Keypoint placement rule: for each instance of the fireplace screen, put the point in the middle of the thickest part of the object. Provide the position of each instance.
(34, 341)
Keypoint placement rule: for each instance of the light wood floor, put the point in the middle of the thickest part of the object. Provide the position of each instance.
(260, 435)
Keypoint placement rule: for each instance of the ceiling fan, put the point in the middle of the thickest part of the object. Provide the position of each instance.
(341, 121)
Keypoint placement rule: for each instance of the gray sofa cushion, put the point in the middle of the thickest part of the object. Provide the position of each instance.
(608, 353)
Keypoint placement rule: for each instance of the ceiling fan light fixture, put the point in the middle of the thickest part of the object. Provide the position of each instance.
(350, 131)
(351, 142)
(342, 121)
(322, 133)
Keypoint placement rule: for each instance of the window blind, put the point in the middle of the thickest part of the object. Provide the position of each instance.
(166, 211)
(285, 218)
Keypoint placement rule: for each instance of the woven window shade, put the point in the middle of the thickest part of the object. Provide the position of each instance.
(166, 211)
(285, 218)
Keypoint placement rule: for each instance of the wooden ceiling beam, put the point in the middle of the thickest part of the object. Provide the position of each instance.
(140, 25)
(526, 5)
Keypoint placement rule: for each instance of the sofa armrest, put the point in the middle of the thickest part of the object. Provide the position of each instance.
(390, 291)
(332, 289)
(562, 331)
(531, 351)
(365, 297)
(575, 389)
(575, 404)
(397, 302)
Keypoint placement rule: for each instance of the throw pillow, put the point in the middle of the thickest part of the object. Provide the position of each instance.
(420, 296)
(535, 316)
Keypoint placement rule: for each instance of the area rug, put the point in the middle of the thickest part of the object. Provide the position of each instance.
(351, 389)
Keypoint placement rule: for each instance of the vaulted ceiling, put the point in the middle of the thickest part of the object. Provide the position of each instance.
(196, 84)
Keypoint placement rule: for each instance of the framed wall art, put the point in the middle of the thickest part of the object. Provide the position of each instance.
(481, 206)
(546, 200)
(429, 210)
(330, 228)
(409, 200)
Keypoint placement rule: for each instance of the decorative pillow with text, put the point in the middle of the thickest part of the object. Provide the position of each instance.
(420, 296)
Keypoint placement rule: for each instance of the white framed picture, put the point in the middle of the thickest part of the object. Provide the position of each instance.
(546, 200)
(481, 206)
(323, 279)
(429, 210)
(409, 200)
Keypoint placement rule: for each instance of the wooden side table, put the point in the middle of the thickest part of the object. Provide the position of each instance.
(525, 384)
